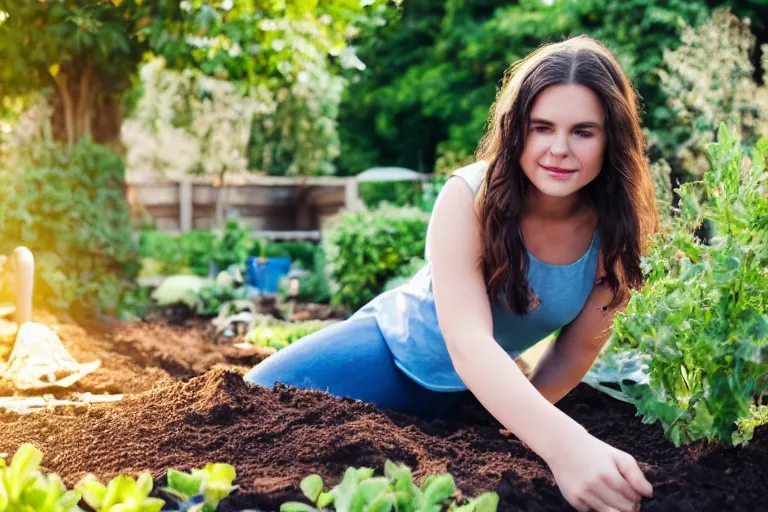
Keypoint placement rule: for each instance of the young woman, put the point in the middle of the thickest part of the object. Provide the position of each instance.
(544, 231)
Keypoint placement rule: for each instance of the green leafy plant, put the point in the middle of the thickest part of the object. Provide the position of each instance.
(213, 483)
(365, 248)
(360, 491)
(281, 334)
(693, 343)
(68, 205)
(24, 487)
(203, 295)
(122, 494)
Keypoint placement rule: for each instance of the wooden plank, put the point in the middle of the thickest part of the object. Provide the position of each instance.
(166, 193)
(249, 178)
(185, 206)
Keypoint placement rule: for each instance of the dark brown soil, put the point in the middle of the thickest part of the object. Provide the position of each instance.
(276, 437)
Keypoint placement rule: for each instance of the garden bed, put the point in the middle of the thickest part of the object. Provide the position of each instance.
(276, 437)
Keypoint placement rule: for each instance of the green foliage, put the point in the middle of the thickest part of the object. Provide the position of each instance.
(640, 31)
(700, 325)
(421, 194)
(315, 286)
(302, 253)
(279, 335)
(24, 487)
(67, 204)
(296, 50)
(366, 248)
(166, 254)
(424, 100)
(360, 491)
(193, 252)
(404, 274)
(63, 34)
(205, 296)
(85, 53)
(122, 494)
(708, 79)
(213, 483)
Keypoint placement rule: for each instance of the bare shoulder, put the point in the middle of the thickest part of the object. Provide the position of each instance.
(453, 217)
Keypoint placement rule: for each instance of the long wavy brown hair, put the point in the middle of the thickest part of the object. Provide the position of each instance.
(623, 190)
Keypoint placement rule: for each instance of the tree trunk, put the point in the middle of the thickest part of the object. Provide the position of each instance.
(65, 109)
(81, 107)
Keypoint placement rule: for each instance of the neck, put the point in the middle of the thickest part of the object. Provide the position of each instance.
(553, 208)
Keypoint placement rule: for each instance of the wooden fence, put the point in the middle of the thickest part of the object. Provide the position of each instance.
(276, 207)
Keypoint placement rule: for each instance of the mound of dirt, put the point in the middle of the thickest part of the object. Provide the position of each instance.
(135, 357)
(276, 437)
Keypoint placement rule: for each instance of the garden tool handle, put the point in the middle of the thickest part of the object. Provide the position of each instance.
(23, 265)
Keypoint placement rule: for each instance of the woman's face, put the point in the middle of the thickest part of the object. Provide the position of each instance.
(565, 143)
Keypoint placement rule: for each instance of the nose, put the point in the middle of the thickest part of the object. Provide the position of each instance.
(559, 145)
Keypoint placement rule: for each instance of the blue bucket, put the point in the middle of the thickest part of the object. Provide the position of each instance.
(266, 276)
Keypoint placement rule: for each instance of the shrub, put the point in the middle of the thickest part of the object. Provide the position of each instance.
(366, 248)
(166, 254)
(696, 336)
(68, 205)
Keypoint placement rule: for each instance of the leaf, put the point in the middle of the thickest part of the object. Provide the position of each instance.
(54, 69)
(144, 483)
(295, 506)
(312, 486)
(22, 470)
(439, 489)
(487, 502)
(184, 484)
(118, 490)
(369, 489)
(92, 490)
(217, 482)
(324, 500)
(382, 503)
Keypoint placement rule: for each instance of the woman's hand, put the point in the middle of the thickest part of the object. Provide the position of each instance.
(593, 475)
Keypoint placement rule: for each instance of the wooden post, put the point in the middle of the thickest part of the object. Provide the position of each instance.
(185, 206)
(351, 195)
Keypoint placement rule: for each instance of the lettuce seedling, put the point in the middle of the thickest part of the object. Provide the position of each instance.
(360, 491)
(213, 483)
(121, 494)
(24, 487)
(47, 493)
(22, 472)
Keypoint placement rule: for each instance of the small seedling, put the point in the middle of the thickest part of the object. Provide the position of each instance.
(360, 491)
(24, 487)
(201, 490)
(121, 494)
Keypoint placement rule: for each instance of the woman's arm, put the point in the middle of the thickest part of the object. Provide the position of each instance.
(570, 357)
(464, 315)
(591, 474)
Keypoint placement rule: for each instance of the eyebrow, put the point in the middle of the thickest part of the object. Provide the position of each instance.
(586, 124)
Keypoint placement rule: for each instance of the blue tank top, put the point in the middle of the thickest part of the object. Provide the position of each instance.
(408, 319)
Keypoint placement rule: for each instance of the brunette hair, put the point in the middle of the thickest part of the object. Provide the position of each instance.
(623, 191)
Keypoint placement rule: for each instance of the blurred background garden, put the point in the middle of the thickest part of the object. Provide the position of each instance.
(157, 153)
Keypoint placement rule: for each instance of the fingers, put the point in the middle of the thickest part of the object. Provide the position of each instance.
(593, 503)
(620, 485)
(633, 474)
(614, 500)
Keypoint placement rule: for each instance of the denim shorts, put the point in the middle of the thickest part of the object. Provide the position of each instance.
(352, 359)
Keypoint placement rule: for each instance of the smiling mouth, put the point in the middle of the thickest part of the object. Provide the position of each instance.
(560, 171)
